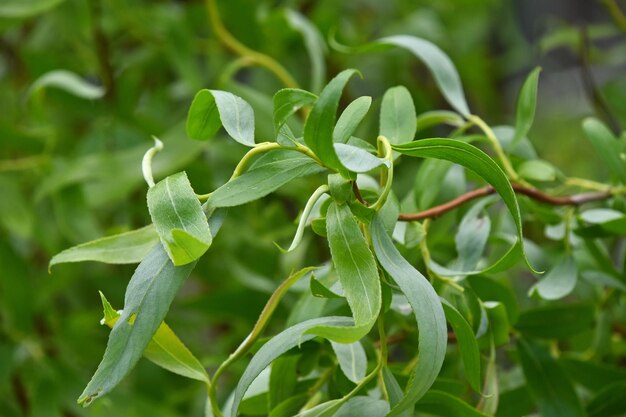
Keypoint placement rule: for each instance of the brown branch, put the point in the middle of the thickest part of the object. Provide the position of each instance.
(535, 194)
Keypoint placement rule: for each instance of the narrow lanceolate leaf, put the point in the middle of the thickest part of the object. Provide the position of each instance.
(526, 104)
(276, 346)
(319, 126)
(123, 248)
(556, 321)
(547, 382)
(559, 281)
(607, 146)
(350, 119)
(288, 101)
(431, 320)
(357, 273)
(437, 117)
(394, 391)
(397, 115)
(68, 82)
(315, 46)
(440, 403)
(471, 158)
(352, 360)
(148, 297)
(272, 171)
(357, 159)
(439, 64)
(165, 348)
(211, 109)
(362, 406)
(468, 346)
(179, 219)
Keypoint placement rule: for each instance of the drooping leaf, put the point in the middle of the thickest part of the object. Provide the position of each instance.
(357, 273)
(474, 159)
(357, 159)
(394, 392)
(274, 170)
(472, 236)
(148, 297)
(559, 281)
(526, 103)
(283, 379)
(317, 194)
(431, 321)
(606, 146)
(547, 382)
(276, 346)
(437, 117)
(319, 126)
(468, 346)
(67, 81)
(315, 46)
(556, 321)
(211, 109)
(124, 248)
(165, 348)
(397, 115)
(327, 409)
(442, 404)
(288, 101)
(363, 407)
(352, 360)
(350, 119)
(179, 219)
(537, 170)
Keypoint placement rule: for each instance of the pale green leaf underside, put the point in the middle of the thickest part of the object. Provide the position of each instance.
(352, 360)
(124, 248)
(559, 281)
(67, 81)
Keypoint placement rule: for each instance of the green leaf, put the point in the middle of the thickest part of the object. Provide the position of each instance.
(436, 117)
(124, 248)
(363, 407)
(211, 109)
(439, 64)
(271, 172)
(609, 402)
(148, 297)
(357, 159)
(472, 236)
(283, 379)
(547, 382)
(352, 360)
(315, 46)
(350, 119)
(489, 289)
(474, 159)
(558, 282)
(21, 9)
(468, 346)
(442, 404)
(179, 219)
(537, 170)
(602, 223)
(66, 81)
(397, 115)
(357, 273)
(431, 320)
(320, 290)
(556, 321)
(165, 348)
(394, 392)
(288, 101)
(526, 103)
(302, 222)
(327, 409)
(591, 375)
(276, 346)
(319, 126)
(607, 147)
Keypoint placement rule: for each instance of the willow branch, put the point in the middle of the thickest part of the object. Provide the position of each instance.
(535, 194)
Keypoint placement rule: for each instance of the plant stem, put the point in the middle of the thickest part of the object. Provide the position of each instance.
(237, 47)
(497, 147)
(258, 328)
(585, 183)
(384, 151)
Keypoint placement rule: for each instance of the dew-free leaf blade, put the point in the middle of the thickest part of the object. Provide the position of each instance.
(315, 46)
(471, 158)
(276, 169)
(441, 403)
(350, 119)
(559, 281)
(606, 146)
(363, 407)
(148, 297)
(69, 82)
(319, 126)
(431, 320)
(352, 360)
(437, 117)
(288, 101)
(124, 248)
(526, 103)
(397, 115)
(556, 321)
(179, 219)
(547, 382)
(276, 346)
(356, 268)
(357, 159)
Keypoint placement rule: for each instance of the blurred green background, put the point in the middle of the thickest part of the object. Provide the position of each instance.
(70, 165)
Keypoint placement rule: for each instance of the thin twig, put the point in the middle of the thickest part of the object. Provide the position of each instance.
(535, 194)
